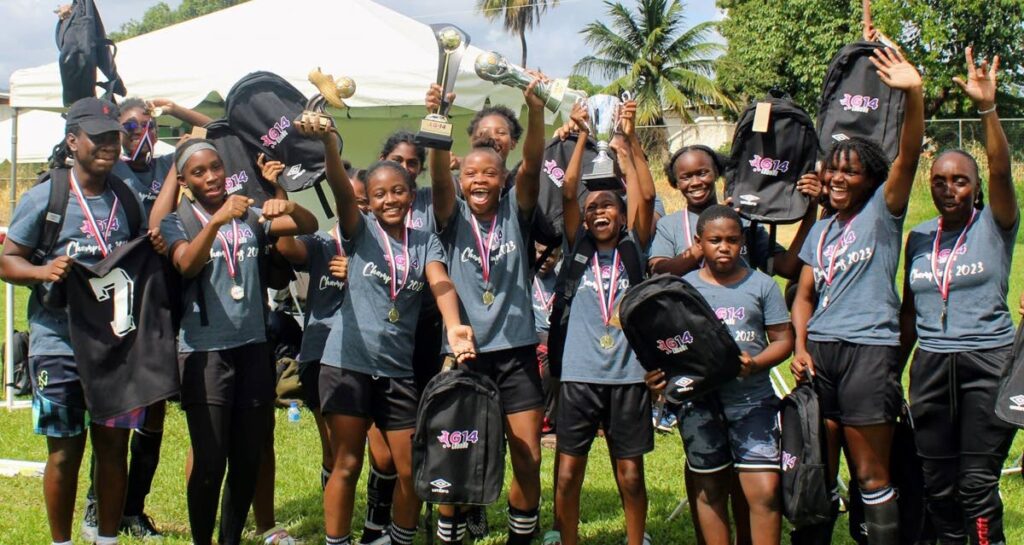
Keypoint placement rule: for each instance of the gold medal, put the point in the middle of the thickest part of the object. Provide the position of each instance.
(393, 315)
(237, 293)
(488, 298)
(606, 342)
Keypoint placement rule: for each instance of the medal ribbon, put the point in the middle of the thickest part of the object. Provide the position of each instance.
(607, 302)
(538, 293)
(686, 227)
(395, 288)
(484, 250)
(946, 279)
(101, 238)
(337, 239)
(830, 272)
(230, 252)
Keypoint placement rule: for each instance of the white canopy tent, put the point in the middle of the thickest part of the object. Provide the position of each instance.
(391, 57)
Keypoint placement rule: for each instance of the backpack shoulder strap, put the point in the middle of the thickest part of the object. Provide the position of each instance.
(56, 208)
(130, 203)
(631, 260)
(574, 266)
(192, 228)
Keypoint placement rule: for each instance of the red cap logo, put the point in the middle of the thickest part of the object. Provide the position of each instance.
(106, 109)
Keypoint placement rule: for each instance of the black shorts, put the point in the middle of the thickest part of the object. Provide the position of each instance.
(623, 411)
(515, 372)
(309, 379)
(857, 384)
(426, 355)
(239, 377)
(390, 403)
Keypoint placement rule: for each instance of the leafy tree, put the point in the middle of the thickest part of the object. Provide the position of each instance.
(651, 53)
(789, 45)
(161, 15)
(517, 16)
(584, 84)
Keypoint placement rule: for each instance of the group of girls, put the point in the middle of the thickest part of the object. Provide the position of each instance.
(410, 273)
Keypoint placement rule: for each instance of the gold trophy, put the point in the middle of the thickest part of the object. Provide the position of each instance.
(435, 129)
(493, 67)
(331, 92)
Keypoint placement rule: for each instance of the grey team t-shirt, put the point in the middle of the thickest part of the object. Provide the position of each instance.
(978, 315)
(421, 214)
(231, 323)
(49, 328)
(670, 237)
(362, 339)
(508, 322)
(146, 184)
(584, 360)
(747, 308)
(324, 295)
(543, 297)
(861, 305)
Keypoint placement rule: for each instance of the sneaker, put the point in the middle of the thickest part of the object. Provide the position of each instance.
(140, 526)
(277, 536)
(667, 422)
(476, 522)
(647, 539)
(552, 537)
(90, 521)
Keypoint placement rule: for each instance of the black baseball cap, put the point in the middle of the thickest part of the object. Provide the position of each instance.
(94, 116)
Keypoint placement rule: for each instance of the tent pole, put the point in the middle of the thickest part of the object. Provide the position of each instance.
(8, 287)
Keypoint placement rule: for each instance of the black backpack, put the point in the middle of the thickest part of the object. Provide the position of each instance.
(57, 205)
(855, 102)
(261, 108)
(458, 450)
(671, 327)
(556, 159)
(242, 174)
(22, 382)
(1010, 399)
(764, 166)
(574, 265)
(806, 495)
(192, 228)
(84, 47)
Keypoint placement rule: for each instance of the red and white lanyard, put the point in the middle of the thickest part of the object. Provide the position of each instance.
(542, 298)
(393, 266)
(686, 228)
(837, 248)
(484, 250)
(101, 238)
(336, 232)
(945, 280)
(230, 252)
(607, 300)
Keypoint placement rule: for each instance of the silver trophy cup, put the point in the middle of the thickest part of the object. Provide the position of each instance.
(493, 67)
(603, 111)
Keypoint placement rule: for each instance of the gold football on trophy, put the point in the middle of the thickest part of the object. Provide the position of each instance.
(449, 38)
(333, 91)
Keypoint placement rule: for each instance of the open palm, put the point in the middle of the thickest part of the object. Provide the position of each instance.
(895, 71)
(980, 86)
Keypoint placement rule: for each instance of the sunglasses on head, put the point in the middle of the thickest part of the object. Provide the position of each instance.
(133, 125)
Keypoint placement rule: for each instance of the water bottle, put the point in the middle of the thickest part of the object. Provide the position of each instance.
(293, 412)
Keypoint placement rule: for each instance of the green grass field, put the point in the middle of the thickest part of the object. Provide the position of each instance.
(23, 519)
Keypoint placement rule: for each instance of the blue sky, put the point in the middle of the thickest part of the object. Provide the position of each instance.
(27, 39)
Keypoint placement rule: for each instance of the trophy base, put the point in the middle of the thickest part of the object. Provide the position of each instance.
(435, 133)
(602, 177)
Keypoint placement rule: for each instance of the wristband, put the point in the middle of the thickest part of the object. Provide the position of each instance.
(988, 111)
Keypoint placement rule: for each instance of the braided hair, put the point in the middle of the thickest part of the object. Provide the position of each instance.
(872, 158)
(716, 160)
(62, 156)
(979, 197)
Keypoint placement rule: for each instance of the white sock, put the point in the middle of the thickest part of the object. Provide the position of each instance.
(106, 540)
(68, 542)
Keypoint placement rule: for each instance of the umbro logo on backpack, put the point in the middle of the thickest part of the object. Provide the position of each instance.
(1018, 403)
(440, 486)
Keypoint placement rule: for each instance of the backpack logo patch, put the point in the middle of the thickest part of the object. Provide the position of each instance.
(749, 200)
(458, 440)
(840, 137)
(554, 172)
(684, 384)
(766, 166)
(234, 182)
(858, 103)
(440, 486)
(676, 344)
(277, 133)
(788, 461)
(295, 171)
(1018, 403)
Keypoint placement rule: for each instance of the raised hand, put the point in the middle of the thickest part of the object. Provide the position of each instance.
(981, 82)
(895, 70)
(532, 99)
(275, 208)
(627, 118)
(270, 169)
(462, 342)
(810, 185)
(315, 125)
(433, 100)
(233, 208)
(580, 118)
(165, 106)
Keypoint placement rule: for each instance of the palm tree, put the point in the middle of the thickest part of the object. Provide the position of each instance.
(649, 53)
(517, 16)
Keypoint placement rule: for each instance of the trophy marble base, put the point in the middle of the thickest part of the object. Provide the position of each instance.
(435, 133)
